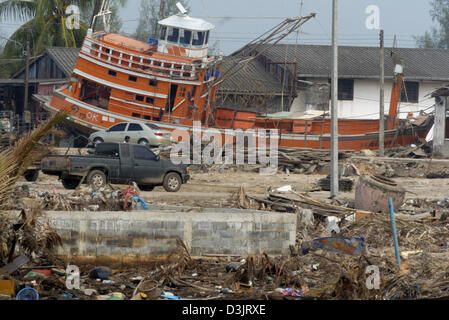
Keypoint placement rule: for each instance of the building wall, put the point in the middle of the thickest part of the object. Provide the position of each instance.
(366, 100)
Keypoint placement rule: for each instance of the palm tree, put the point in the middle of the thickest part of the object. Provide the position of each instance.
(45, 23)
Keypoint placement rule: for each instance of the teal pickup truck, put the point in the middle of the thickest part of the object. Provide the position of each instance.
(118, 163)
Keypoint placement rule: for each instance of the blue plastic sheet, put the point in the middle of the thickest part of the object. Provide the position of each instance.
(352, 246)
(143, 204)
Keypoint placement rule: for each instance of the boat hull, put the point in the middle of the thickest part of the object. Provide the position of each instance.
(94, 119)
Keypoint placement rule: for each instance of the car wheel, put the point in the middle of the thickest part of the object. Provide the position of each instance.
(143, 142)
(97, 179)
(146, 188)
(98, 140)
(31, 175)
(70, 183)
(172, 182)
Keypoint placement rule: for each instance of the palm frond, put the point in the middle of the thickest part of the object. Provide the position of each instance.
(21, 10)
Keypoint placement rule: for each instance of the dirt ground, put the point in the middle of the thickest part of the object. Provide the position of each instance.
(214, 189)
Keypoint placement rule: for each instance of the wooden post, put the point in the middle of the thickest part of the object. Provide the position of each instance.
(439, 128)
(27, 71)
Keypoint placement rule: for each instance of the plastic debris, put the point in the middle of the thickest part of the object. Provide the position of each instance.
(7, 287)
(353, 246)
(27, 293)
(112, 296)
(284, 189)
(102, 273)
(291, 292)
(142, 202)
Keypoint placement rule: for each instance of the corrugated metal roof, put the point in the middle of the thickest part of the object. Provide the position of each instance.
(251, 79)
(314, 61)
(65, 58)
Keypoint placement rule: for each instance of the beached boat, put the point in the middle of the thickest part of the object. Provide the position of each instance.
(171, 81)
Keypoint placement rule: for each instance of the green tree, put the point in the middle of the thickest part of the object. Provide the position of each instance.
(151, 12)
(44, 24)
(438, 37)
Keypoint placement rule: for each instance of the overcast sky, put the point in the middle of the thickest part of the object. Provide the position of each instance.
(405, 18)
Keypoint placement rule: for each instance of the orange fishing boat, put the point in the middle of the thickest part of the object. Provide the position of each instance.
(172, 81)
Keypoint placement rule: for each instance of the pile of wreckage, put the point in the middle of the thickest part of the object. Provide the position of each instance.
(290, 160)
(83, 199)
(341, 252)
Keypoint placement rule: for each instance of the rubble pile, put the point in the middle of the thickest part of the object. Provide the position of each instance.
(290, 160)
(84, 199)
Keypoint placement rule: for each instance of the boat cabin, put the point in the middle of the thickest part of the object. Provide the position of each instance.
(185, 36)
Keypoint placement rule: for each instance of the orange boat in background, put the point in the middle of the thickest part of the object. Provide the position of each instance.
(172, 82)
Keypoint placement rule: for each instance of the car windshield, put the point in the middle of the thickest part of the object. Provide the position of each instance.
(152, 126)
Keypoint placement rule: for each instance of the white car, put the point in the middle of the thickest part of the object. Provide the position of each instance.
(139, 132)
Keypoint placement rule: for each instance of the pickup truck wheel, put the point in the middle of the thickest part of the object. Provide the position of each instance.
(70, 183)
(146, 188)
(143, 142)
(31, 175)
(172, 182)
(97, 179)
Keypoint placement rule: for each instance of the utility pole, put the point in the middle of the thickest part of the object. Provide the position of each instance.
(27, 72)
(382, 97)
(334, 103)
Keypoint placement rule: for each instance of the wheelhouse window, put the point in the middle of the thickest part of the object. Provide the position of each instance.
(346, 89)
(198, 38)
(173, 35)
(410, 93)
(139, 98)
(112, 73)
(153, 83)
(186, 37)
(132, 78)
(207, 38)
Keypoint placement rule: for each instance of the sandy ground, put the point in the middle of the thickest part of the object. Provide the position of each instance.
(214, 189)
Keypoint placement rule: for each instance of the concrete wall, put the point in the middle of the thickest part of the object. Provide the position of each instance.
(144, 234)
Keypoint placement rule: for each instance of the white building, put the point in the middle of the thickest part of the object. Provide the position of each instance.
(425, 70)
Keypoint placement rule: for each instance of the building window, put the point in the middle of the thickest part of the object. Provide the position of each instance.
(132, 78)
(346, 89)
(139, 98)
(136, 115)
(410, 93)
(150, 100)
(112, 73)
(153, 83)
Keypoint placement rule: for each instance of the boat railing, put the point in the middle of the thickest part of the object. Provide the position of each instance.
(139, 63)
